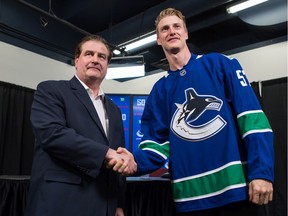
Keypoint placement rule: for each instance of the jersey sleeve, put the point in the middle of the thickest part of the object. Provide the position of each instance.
(253, 125)
(154, 146)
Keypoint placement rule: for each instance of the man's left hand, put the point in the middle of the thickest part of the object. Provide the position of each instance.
(260, 191)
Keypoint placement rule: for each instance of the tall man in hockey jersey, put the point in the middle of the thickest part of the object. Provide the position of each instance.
(204, 117)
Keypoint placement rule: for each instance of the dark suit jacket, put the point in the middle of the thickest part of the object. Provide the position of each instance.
(69, 176)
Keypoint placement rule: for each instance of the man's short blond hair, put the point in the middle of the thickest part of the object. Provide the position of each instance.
(169, 12)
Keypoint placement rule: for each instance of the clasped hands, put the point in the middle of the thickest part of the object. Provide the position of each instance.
(121, 161)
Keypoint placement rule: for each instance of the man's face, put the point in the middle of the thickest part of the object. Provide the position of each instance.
(172, 34)
(92, 63)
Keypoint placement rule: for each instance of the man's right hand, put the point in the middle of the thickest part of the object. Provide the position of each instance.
(121, 161)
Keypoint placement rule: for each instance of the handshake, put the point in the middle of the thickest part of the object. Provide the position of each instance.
(121, 161)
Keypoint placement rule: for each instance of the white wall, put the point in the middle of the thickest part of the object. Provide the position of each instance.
(265, 63)
(27, 69)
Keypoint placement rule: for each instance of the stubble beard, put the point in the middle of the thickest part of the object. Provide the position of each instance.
(174, 50)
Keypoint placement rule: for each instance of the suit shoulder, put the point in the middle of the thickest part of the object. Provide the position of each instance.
(52, 83)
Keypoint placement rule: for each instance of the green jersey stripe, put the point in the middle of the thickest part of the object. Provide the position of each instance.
(211, 194)
(161, 149)
(256, 122)
(212, 183)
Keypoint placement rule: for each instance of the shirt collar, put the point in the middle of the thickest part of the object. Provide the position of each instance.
(100, 93)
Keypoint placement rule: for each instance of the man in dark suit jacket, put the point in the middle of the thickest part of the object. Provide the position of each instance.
(77, 129)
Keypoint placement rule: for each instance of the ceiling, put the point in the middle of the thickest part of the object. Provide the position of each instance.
(53, 28)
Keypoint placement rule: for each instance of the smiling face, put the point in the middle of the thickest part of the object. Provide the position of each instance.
(172, 34)
(92, 62)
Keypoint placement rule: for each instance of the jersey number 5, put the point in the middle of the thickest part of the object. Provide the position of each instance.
(241, 77)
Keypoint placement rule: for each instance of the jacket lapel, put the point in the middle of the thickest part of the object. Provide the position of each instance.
(81, 93)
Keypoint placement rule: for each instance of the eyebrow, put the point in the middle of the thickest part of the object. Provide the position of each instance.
(173, 24)
(98, 53)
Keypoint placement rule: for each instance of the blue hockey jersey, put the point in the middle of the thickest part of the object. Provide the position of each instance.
(206, 119)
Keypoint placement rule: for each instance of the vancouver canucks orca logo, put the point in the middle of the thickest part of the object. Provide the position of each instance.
(183, 121)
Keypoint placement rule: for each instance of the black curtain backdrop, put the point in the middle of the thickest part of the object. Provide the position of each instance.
(16, 137)
(274, 99)
(13, 196)
(144, 198)
(257, 87)
(149, 198)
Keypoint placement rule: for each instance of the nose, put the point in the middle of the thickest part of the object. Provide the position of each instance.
(172, 31)
(95, 59)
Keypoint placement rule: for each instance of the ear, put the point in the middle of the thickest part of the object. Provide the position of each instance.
(158, 41)
(186, 35)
